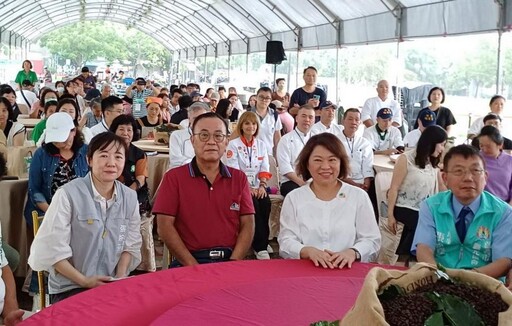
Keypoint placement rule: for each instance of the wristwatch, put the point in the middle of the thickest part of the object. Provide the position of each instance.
(358, 255)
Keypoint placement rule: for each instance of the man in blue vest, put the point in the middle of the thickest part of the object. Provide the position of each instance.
(465, 227)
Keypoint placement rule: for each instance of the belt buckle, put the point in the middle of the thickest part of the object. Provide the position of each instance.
(216, 254)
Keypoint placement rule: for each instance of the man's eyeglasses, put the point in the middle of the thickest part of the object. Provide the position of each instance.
(264, 98)
(205, 136)
(462, 172)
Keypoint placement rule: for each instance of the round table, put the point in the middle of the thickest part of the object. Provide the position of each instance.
(287, 292)
(148, 145)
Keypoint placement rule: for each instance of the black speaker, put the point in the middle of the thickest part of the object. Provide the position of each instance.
(275, 52)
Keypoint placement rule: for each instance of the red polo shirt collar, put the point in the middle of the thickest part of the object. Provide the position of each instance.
(195, 172)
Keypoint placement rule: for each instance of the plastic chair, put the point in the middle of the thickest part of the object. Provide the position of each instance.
(36, 222)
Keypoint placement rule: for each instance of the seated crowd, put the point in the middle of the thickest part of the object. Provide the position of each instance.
(89, 180)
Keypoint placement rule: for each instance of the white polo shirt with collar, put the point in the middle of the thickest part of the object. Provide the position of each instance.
(334, 129)
(288, 149)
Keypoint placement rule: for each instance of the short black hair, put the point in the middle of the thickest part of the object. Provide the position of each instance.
(176, 90)
(493, 133)
(279, 79)
(43, 95)
(264, 89)
(6, 89)
(221, 88)
(309, 67)
(463, 150)
(491, 116)
(66, 100)
(123, 120)
(47, 106)
(185, 101)
(496, 97)
(347, 111)
(108, 103)
(436, 89)
(59, 82)
(103, 140)
(209, 115)
(8, 105)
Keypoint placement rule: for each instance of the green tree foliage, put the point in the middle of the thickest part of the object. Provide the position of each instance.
(86, 41)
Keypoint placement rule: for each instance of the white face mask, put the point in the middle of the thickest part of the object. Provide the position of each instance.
(60, 89)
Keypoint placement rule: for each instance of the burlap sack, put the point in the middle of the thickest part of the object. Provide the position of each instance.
(148, 262)
(18, 160)
(388, 242)
(367, 309)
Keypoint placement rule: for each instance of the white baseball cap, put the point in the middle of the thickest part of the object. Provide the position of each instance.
(58, 127)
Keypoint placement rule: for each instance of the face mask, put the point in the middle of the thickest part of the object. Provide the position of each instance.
(60, 89)
(51, 99)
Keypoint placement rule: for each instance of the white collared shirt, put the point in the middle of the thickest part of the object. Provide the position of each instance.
(334, 129)
(309, 221)
(99, 128)
(360, 154)
(250, 160)
(412, 137)
(288, 150)
(181, 150)
(392, 138)
(374, 104)
(268, 126)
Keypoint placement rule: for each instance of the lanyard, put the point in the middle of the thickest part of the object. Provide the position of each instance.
(301, 140)
(350, 147)
(248, 146)
(249, 153)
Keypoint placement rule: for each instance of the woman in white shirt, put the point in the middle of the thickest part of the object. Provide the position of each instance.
(415, 177)
(249, 154)
(327, 221)
(13, 131)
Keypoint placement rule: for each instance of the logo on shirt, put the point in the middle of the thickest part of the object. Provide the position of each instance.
(483, 233)
(234, 207)
(229, 154)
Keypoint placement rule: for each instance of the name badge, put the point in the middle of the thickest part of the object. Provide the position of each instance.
(251, 178)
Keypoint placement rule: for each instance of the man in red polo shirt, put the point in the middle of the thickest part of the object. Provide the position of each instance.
(204, 209)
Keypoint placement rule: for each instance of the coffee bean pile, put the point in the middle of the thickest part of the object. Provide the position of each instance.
(410, 309)
(414, 308)
(487, 304)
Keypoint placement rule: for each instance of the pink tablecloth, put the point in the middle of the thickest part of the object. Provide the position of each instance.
(191, 295)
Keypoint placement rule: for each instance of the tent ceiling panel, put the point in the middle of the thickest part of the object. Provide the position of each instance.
(238, 47)
(508, 14)
(289, 40)
(179, 24)
(349, 9)
(270, 20)
(258, 44)
(302, 12)
(319, 36)
(454, 17)
(361, 30)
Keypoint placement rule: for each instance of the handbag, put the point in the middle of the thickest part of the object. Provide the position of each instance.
(19, 159)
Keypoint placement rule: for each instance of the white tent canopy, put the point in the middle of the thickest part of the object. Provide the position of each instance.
(224, 27)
